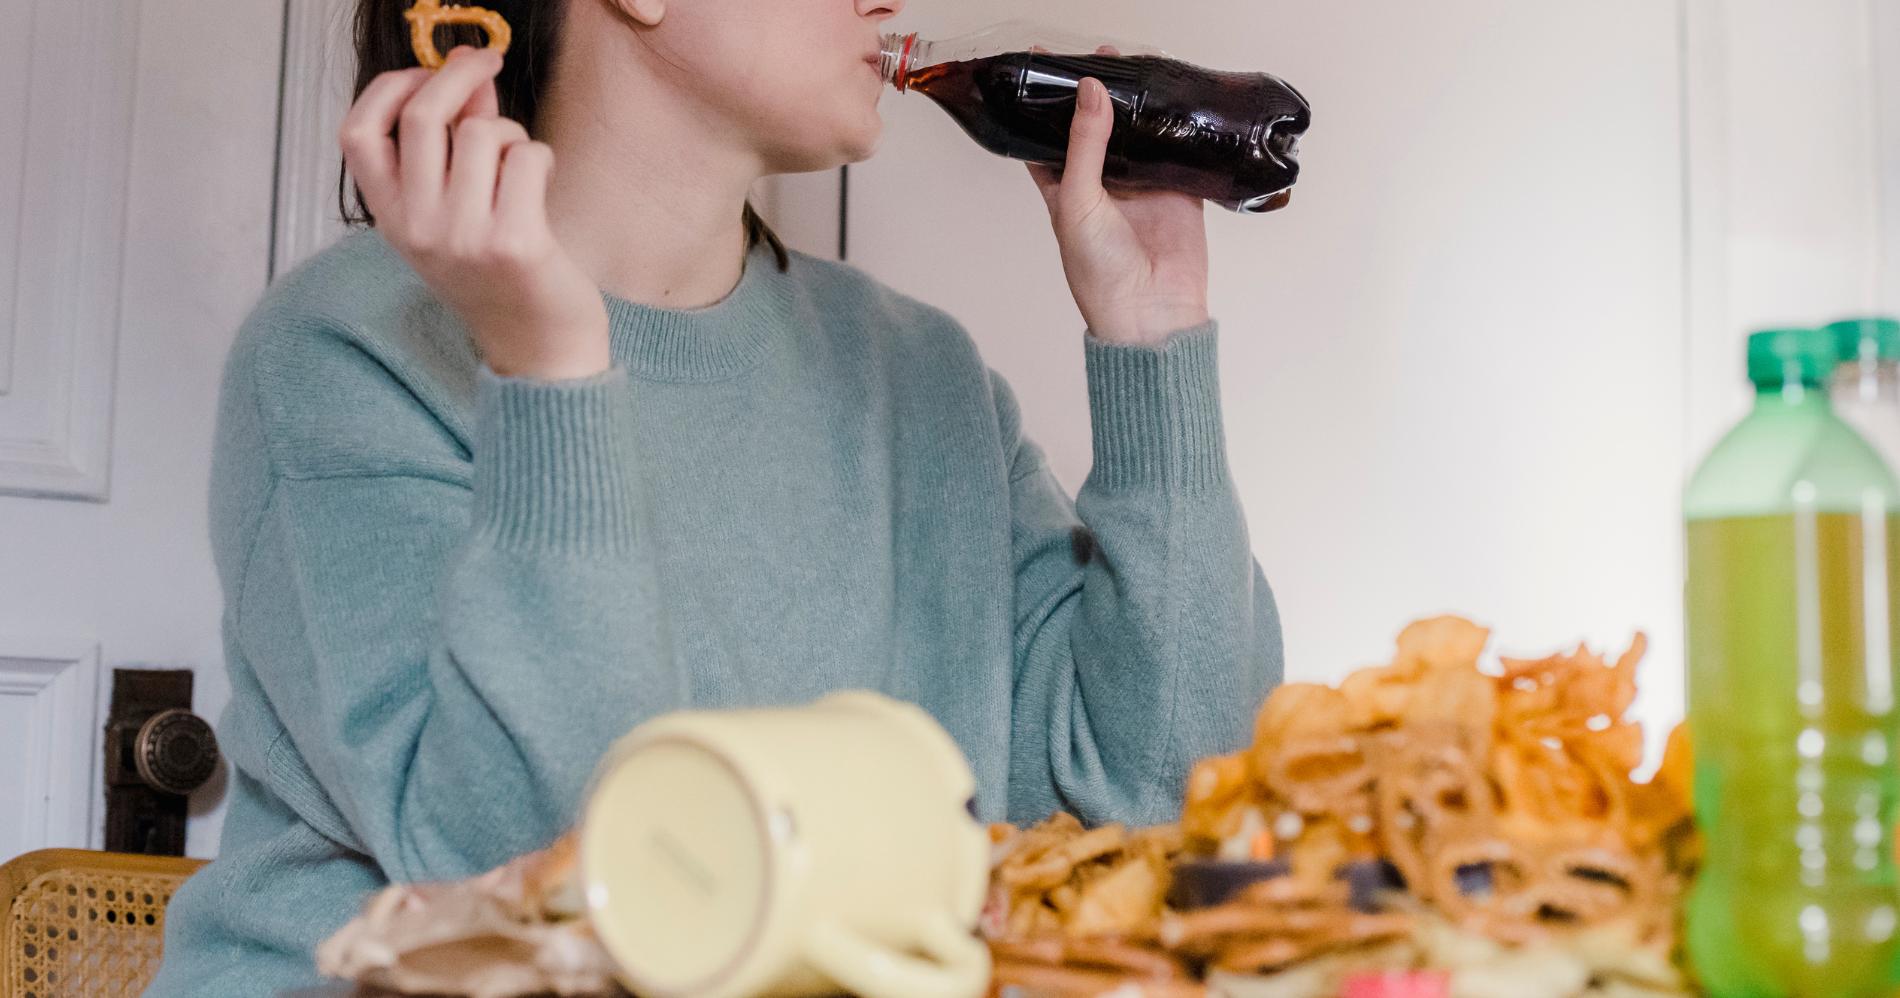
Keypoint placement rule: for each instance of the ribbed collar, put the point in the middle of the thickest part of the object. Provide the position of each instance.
(705, 344)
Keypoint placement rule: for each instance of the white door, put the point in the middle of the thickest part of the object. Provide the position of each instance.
(136, 149)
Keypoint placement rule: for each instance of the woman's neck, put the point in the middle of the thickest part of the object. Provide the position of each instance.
(646, 201)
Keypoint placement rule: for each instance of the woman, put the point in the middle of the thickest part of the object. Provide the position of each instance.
(553, 449)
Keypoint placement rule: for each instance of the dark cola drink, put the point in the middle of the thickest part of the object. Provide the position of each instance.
(1231, 138)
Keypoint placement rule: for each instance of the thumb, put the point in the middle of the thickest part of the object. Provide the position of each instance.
(1094, 122)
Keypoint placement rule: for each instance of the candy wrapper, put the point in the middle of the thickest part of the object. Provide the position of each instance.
(515, 930)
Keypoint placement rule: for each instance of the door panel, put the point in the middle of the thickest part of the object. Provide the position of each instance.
(49, 737)
(139, 205)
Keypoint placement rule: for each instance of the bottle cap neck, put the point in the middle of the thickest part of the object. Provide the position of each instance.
(1867, 339)
(1867, 381)
(1790, 357)
(896, 57)
(1791, 393)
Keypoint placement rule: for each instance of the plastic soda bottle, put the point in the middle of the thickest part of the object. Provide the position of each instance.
(1231, 138)
(1790, 607)
(1866, 387)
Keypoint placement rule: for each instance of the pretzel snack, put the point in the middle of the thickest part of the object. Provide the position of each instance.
(427, 15)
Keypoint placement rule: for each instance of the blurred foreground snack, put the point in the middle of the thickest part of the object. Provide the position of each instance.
(1430, 813)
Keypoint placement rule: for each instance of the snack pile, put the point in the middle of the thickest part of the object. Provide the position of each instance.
(1429, 813)
(1472, 828)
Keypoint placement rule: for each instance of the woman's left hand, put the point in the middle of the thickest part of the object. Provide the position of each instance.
(1136, 260)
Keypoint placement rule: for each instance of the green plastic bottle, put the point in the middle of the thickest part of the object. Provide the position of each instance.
(1791, 613)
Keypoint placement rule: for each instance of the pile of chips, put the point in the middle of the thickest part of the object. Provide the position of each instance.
(1434, 798)
(1075, 911)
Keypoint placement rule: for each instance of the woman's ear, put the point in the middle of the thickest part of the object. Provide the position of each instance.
(647, 12)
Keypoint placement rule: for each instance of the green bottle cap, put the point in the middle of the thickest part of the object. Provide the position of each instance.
(1778, 357)
(1870, 338)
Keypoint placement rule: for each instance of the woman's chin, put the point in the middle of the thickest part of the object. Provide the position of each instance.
(852, 145)
(865, 140)
(862, 153)
(855, 149)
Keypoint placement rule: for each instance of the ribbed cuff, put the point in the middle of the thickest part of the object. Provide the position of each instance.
(553, 463)
(1156, 412)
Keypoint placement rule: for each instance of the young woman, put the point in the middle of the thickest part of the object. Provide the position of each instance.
(566, 440)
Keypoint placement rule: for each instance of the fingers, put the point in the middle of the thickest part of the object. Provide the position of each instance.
(368, 150)
(521, 199)
(1081, 187)
(476, 163)
(485, 104)
(1047, 181)
(423, 125)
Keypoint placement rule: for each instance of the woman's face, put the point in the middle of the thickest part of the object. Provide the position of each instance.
(795, 79)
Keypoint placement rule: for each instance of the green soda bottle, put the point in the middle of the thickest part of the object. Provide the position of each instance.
(1790, 599)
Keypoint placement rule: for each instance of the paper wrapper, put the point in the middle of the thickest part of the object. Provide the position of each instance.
(515, 930)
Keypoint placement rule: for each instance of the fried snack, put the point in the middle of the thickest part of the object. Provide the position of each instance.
(1059, 878)
(1046, 980)
(1073, 912)
(1501, 795)
(1276, 951)
(552, 880)
(1479, 817)
(427, 15)
(1383, 697)
(1105, 953)
(1052, 867)
(1220, 795)
(1120, 900)
(1323, 976)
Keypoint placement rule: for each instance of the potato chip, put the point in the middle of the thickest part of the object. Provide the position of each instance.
(1217, 788)
(1441, 643)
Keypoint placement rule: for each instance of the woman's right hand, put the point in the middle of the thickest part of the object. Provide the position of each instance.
(461, 193)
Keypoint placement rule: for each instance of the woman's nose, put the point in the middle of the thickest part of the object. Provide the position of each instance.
(880, 8)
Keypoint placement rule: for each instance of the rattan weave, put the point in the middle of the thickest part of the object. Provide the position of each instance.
(83, 924)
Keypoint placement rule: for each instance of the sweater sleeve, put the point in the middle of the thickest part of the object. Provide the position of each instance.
(449, 661)
(1146, 635)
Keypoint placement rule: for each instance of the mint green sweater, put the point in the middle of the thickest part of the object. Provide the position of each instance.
(446, 592)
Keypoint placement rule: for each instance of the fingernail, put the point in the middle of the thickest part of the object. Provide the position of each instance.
(1091, 95)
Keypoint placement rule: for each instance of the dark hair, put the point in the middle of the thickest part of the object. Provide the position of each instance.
(383, 44)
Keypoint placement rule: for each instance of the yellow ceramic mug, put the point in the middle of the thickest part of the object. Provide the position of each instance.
(800, 851)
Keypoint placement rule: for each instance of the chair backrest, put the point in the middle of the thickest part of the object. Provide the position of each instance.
(83, 923)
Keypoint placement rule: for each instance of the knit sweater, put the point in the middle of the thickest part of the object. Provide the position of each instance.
(447, 592)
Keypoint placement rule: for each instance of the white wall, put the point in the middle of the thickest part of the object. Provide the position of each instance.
(1453, 368)
(1470, 367)
(1794, 145)
(134, 574)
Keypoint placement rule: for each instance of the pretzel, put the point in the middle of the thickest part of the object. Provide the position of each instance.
(427, 15)
(1273, 952)
(1083, 982)
(1109, 953)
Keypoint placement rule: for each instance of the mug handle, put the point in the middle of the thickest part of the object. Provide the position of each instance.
(961, 968)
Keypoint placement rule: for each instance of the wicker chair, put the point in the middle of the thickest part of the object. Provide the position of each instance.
(82, 923)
